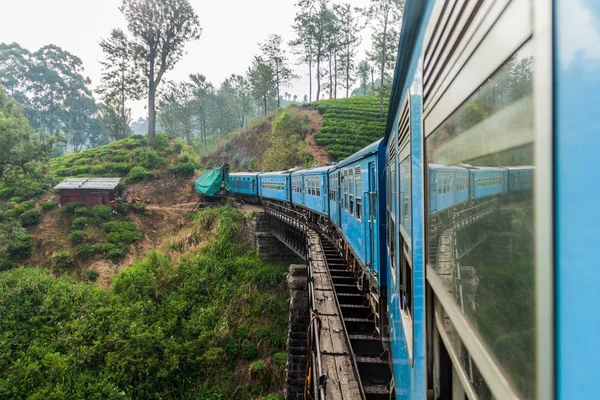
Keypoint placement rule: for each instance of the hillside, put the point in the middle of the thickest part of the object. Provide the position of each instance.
(147, 300)
(348, 124)
(317, 132)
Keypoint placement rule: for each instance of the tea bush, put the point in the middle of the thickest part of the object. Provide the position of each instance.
(92, 275)
(138, 174)
(31, 217)
(78, 223)
(49, 205)
(63, 260)
(24, 206)
(77, 236)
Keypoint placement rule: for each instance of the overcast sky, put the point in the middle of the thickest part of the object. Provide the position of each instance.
(231, 31)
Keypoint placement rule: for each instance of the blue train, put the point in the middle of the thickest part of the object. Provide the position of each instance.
(474, 218)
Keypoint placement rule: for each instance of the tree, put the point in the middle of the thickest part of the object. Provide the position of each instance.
(261, 77)
(15, 62)
(22, 151)
(385, 17)
(202, 91)
(275, 55)
(161, 28)
(364, 69)
(241, 100)
(350, 40)
(121, 82)
(176, 110)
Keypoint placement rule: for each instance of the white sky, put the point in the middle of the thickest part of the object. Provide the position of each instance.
(231, 31)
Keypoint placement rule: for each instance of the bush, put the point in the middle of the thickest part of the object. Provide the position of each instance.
(152, 160)
(160, 142)
(257, 366)
(78, 223)
(138, 207)
(31, 217)
(120, 232)
(77, 237)
(185, 170)
(49, 205)
(249, 351)
(179, 145)
(63, 260)
(24, 206)
(16, 199)
(101, 213)
(82, 211)
(20, 248)
(92, 275)
(116, 254)
(138, 174)
(210, 164)
(71, 207)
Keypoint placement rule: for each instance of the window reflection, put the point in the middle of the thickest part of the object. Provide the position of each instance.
(480, 215)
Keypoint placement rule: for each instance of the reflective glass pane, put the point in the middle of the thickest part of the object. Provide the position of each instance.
(481, 234)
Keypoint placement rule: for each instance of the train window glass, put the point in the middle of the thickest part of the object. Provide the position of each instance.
(318, 186)
(346, 189)
(490, 275)
(358, 192)
(352, 190)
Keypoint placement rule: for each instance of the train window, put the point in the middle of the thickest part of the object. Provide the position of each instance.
(358, 192)
(346, 189)
(352, 189)
(318, 186)
(487, 263)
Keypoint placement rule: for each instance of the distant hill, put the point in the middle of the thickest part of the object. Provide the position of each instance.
(348, 124)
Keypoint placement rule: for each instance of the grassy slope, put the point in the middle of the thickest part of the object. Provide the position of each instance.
(210, 325)
(348, 124)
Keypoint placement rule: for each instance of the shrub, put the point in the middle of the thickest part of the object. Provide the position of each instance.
(20, 248)
(71, 207)
(120, 232)
(16, 199)
(119, 168)
(138, 174)
(186, 157)
(92, 275)
(249, 351)
(31, 217)
(210, 164)
(138, 207)
(179, 145)
(101, 213)
(280, 359)
(82, 211)
(24, 206)
(257, 366)
(152, 160)
(49, 205)
(98, 169)
(160, 142)
(78, 223)
(115, 254)
(183, 170)
(77, 236)
(86, 251)
(63, 260)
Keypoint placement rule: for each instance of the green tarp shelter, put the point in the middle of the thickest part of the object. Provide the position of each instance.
(209, 183)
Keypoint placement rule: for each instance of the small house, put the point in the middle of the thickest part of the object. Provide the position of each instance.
(90, 191)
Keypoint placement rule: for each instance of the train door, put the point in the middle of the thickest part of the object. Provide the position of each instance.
(372, 219)
(324, 193)
(340, 179)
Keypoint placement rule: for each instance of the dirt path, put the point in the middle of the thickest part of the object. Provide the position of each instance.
(317, 152)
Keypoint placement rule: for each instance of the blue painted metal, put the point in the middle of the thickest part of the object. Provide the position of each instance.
(274, 185)
(244, 183)
(488, 181)
(315, 189)
(410, 375)
(577, 140)
(443, 187)
(520, 178)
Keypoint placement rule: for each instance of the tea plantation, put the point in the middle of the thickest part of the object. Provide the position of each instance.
(348, 124)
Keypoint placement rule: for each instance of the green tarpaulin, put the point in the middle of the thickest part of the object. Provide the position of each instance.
(209, 183)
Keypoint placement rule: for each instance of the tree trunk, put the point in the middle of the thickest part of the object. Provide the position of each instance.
(348, 70)
(310, 79)
(265, 103)
(277, 81)
(335, 73)
(330, 77)
(318, 75)
(151, 113)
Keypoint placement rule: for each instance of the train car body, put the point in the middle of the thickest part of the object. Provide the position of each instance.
(520, 178)
(487, 181)
(275, 186)
(448, 186)
(355, 206)
(244, 183)
(310, 189)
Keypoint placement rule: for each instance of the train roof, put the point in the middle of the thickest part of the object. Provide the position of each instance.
(243, 173)
(446, 167)
(520, 168)
(274, 173)
(317, 170)
(367, 151)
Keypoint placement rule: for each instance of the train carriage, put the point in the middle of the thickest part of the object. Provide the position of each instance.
(487, 181)
(448, 187)
(275, 185)
(310, 189)
(520, 178)
(355, 206)
(244, 183)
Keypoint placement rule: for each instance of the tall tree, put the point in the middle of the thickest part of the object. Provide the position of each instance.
(262, 81)
(202, 90)
(121, 81)
(349, 41)
(161, 28)
(176, 110)
(242, 99)
(385, 17)
(275, 55)
(364, 69)
(22, 150)
(303, 44)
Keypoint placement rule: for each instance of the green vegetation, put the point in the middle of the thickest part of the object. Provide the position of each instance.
(49, 205)
(349, 124)
(165, 329)
(31, 217)
(138, 174)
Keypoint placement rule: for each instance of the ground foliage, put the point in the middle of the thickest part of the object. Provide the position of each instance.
(186, 329)
(348, 124)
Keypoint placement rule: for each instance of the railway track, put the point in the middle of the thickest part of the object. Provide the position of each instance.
(367, 348)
